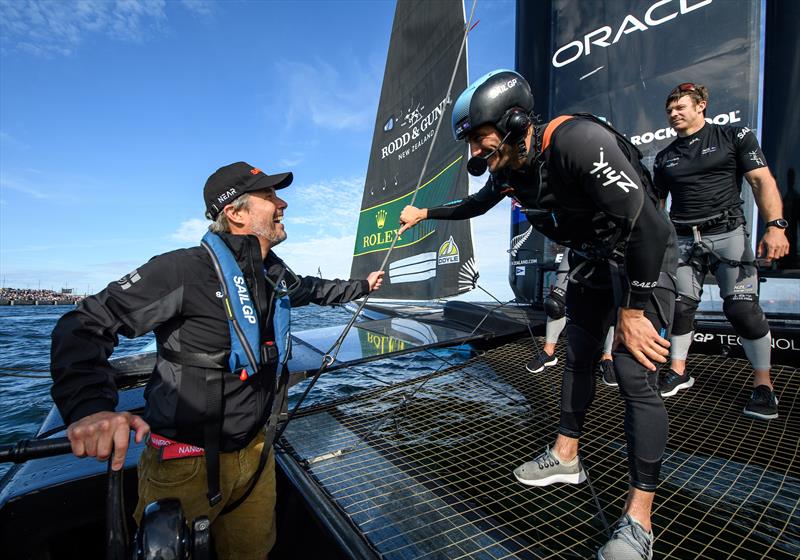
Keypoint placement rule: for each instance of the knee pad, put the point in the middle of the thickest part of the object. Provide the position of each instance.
(745, 315)
(554, 304)
(683, 321)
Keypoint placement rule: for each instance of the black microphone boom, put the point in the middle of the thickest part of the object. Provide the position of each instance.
(476, 166)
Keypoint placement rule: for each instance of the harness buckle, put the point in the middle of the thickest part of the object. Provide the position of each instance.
(215, 499)
(269, 352)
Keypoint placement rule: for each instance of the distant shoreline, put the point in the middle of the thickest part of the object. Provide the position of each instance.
(10, 302)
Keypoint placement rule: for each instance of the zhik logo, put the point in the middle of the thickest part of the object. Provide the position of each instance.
(621, 178)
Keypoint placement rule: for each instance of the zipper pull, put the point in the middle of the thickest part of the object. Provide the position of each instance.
(243, 375)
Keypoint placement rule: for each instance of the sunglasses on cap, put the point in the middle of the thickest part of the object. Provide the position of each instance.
(686, 86)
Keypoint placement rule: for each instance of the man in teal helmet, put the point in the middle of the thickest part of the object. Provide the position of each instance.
(582, 184)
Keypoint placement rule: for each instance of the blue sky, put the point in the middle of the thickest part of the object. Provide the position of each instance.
(114, 113)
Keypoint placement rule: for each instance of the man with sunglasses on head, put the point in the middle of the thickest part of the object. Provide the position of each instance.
(582, 184)
(702, 170)
(220, 314)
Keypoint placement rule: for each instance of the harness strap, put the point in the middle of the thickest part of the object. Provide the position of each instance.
(667, 282)
(211, 431)
(278, 406)
(699, 243)
(550, 128)
(208, 360)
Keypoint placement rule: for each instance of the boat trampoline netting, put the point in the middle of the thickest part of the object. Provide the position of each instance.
(424, 468)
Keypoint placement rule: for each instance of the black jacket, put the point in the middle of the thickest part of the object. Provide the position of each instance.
(177, 295)
(583, 192)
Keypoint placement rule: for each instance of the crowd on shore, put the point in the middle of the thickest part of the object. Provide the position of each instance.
(19, 295)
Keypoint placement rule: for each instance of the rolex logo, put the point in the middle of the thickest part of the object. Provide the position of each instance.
(380, 218)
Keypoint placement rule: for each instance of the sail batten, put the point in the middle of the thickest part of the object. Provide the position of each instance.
(424, 54)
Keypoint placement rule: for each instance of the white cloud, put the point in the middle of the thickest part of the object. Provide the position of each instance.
(328, 96)
(7, 139)
(190, 231)
(331, 255)
(14, 185)
(331, 205)
(201, 8)
(47, 28)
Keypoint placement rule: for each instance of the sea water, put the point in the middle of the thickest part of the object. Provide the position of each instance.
(25, 360)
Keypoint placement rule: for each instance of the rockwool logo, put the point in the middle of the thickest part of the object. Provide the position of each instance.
(668, 132)
(658, 13)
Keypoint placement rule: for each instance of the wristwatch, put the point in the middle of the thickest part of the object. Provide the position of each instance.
(779, 223)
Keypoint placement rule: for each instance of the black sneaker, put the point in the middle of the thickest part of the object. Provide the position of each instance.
(538, 362)
(608, 373)
(671, 382)
(762, 404)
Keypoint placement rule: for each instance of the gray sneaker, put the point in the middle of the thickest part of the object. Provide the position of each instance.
(547, 469)
(629, 542)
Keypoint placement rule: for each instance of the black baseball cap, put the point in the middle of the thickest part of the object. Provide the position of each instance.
(230, 182)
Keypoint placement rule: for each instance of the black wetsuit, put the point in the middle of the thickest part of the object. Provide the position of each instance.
(585, 193)
(703, 172)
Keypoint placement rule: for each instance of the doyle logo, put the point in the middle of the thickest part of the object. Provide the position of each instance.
(448, 252)
(620, 178)
(244, 299)
(380, 218)
(656, 14)
(417, 126)
(668, 132)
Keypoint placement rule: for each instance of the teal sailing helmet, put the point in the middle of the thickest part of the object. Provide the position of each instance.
(502, 98)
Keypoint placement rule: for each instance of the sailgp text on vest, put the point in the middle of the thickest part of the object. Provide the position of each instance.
(244, 300)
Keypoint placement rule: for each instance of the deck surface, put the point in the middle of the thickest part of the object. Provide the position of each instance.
(424, 468)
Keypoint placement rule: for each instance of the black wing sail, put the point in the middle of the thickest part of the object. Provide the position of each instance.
(426, 261)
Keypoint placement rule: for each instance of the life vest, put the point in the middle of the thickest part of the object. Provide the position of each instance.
(246, 351)
(243, 320)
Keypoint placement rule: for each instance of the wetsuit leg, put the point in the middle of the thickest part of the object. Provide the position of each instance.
(590, 312)
(738, 286)
(646, 422)
(691, 272)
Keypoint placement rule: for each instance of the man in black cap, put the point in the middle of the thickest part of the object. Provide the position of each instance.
(220, 314)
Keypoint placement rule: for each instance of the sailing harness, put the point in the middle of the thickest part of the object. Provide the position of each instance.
(246, 352)
(727, 221)
(610, 250)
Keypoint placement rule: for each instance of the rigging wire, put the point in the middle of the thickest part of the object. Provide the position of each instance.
(333, 351)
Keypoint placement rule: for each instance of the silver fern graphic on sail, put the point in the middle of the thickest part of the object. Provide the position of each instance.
(468, 276)
(519, 240)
